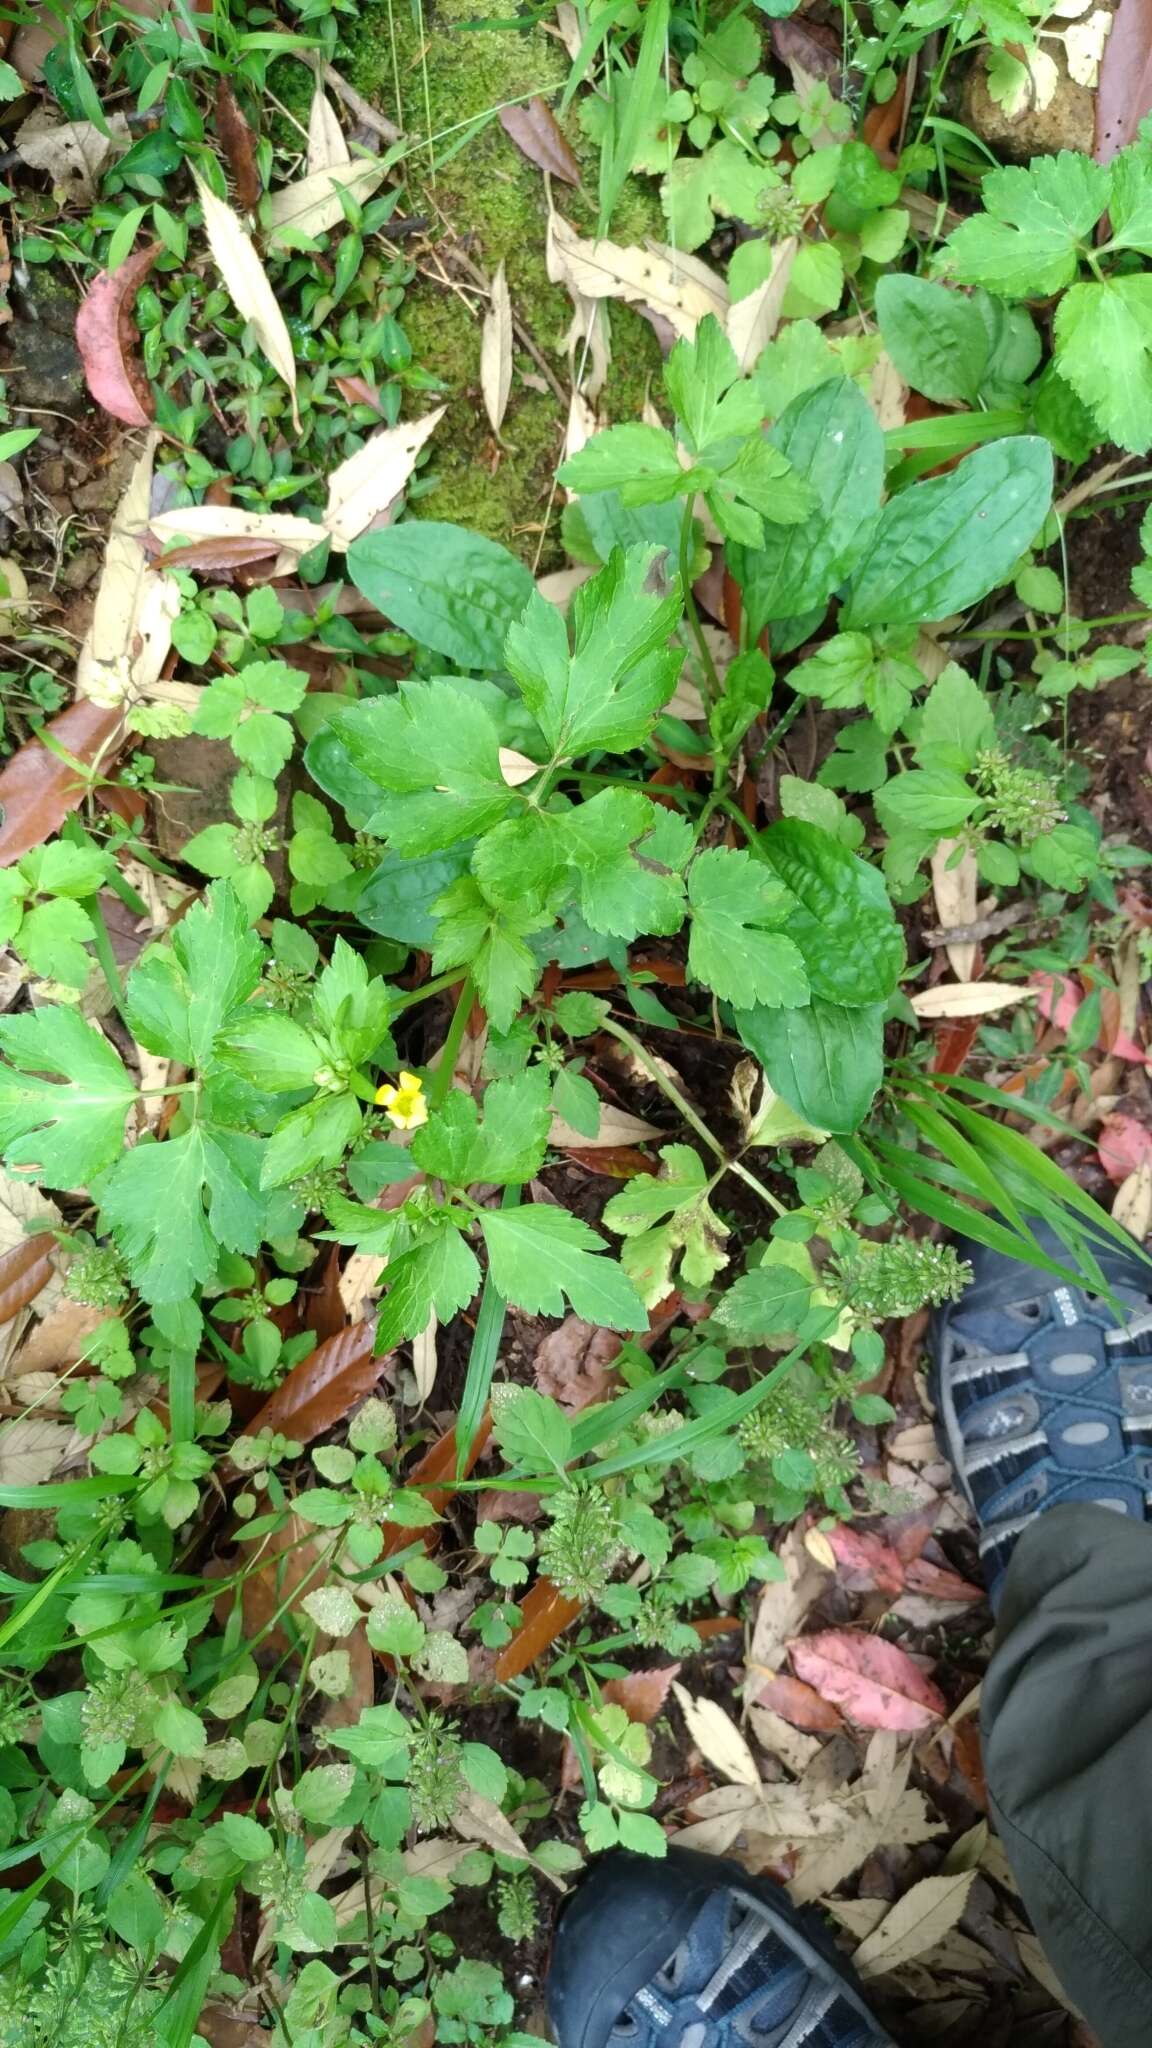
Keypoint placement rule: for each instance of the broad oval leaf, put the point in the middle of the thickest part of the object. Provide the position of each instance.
(844, 926)
(827, 1062)
(833, 439)
(454, 591)
(874, 1681)
(398, 896)
(934, 335)
(942, 545)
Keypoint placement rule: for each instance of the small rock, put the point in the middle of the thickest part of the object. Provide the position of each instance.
(46, 369)
(1066, 121)
(80, 571)
(52, 476)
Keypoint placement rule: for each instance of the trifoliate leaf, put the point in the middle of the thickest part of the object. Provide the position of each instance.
(1036, 224)
(540, 1255)
(608, 689)
(66, 1130)
(489, 941)
(625, 886)
(847, 670)
(441, 1273)
(738, 946)
(172, 1206)
(435, 750)
(181, 993)
(509, 1145)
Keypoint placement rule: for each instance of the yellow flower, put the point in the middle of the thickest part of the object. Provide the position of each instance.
(406, 1105)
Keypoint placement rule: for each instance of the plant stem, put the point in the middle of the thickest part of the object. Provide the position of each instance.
(689, 1115)
(710, 676)
(426, 990)
(441, 1080)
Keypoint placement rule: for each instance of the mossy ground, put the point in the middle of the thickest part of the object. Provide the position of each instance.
(432, 72)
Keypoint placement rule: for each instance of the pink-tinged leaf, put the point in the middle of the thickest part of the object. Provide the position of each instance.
(1060, 999)
(875, 1682)
(1124, 1146)
(537, 134)
(800, 1705)
(575, 1363)
(1124, 88)
(865, 1562)
(935, 1582)
(106, 338)
(643, 1694)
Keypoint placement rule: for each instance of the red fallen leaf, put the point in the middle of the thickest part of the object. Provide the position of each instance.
(866, 1562)
(875, 1682)
(643, 1693)
(1124, 87)
(937, 1583)
(615, 1162)
(24, 1270)
(537, 134)
(1060, 999)
(954, 1042)
(800, 1705)
(239, 145)
(319, 1392)
(574, 1363)
(38, 789)
(106, 338)
(1124, 1145)
(968, 1756)
(358, 391)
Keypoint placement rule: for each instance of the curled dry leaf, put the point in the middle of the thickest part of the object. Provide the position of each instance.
(246, 283)
(955, 879)
(25, 1269)
(875, 1682)
(71, 153)
(312, 204)
(365, 487)
(1124, 88)
(617, 1127)
(239, 145)
(254, 535)
(575, 1363)
(916, 1923)
(545, 1613)
(319, 1392)
(538, 135)
(968, 998)
(424, 1357)
(680, 288)
(496, 349)
(1133, 1205)
(718, 1739)
(1060, 1000)
(106, 338)
(39, 787)
(128, 641)
(778, 1738)
(326, 145)
(800, 1705)
(782, 1607)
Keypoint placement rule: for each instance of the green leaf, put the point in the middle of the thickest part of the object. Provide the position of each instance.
(841, 919)
(848, 670)
(532, 1429)
(640, 462)
(680, 1193)
(52, 939)
(509, 1145)
(442, 1273)
(540, 1255)
(815, 282)
(397, 897)
(1104, 351)
(316, 1135)
(268, 1048)
(1038, 220)
(172, 1206)
(182, 992)
(435, 750)
(820, 806)
(956, 722)
(608, 690)
(452, 590)
(246, 1837)
(490, 942)
(940, 546)
(935, 337)
(738, 946)
(379, 1739)
(827, 1062)
(703, 382)
(832, 438)
(177, 1728)
(484, 1771)
(65, 1130)
(627, 879)
(264, 743)
(394, 1629)
(929, 800)
(764, 1302)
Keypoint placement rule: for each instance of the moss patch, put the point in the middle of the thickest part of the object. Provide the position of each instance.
(431, 75)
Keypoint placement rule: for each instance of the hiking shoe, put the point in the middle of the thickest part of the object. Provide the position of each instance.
(691, 1952)
(1044, 1392)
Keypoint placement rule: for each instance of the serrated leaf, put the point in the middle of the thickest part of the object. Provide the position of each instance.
(607, 690)
(1104, 351)
(65, 1130)
(624, 886)
(181, 992)
(490, 942)
(764, 1302)
(916, 1923)
(1028, 240)
(171, 1208)
(738, 946)
(533, 1430)
(441, 1274)
(539, 1256)
(436, 751)
(509, 1145)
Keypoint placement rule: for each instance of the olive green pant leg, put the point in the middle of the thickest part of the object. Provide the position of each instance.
(1067, 1722)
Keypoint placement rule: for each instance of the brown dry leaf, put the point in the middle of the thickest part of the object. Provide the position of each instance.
(128, 641)
(326, 145)
(263, 533)
(575, 1363)
(1124, 93)
(877, 1811)
(718, 1739)
(955, 879)
(39, 787)
(25, 1270)
(496, 349)
(246, 283)
(782, 1608)
(71, 153)
(969, 998)
(778, 1738)
(32, 1449)
(680, 288)
(916, 1923)
(858, 1917)
(319, 1392)
(617, 1127)
(364, 487)
(436, 1857)
(1084, 44)
(515, 767)
(752, 321)
(360, 1283)
(642, 1694)
(887, 393)
(61, 1339)
(1133, 1204)
(537, 134)
(480, 1820)
(239, 145)
(106, 337)
(312, 204)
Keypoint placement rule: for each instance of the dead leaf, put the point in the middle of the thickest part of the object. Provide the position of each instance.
(575, 1363)
(916, 1923)
(326, 145)
(106, 338)
(71, 153)
(319, 1392)
(887, 392)
(312, 204)
(25, 1270)
(424, 1357)
(680, 288)
(778, 1738)
(955, 879)
(968, 998)
(865, 1562)
(239, 145)
(246, 283)
(1084, 44)
(642, 1694)
(1125, 1145)
(436, 1857)
(874, 1681)
(752, 321)
(480, 1820)
(1124, 90)
(800, 1705)
(545, 1612)
(617, 1127)
(718, 1738)
(782, 1607)
(516, 768)
(496, 348)
(365, 487)
(534, 129)
(1133, 1204)
(128, 641)
(32, 1449)
(62, 1339)
(262, 533)
(38, 787)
